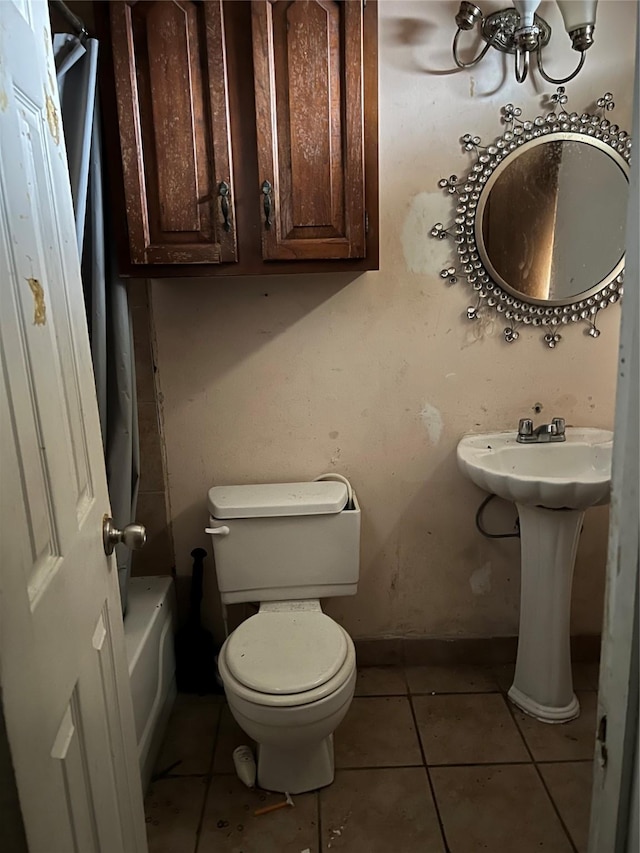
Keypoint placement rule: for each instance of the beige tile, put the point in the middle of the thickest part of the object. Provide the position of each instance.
(468, 729)
(381, 681)
(190, 735)
(499, 808)
(151, 473)
(143, 355)
(451, 679)
(172, 808)
(152, 512)
(151, 470)
(230, 826)
(230, 735)
(148, 422)
(377, 732)
(565, 741)
(378, 811)
(156, 558)
(570, 784)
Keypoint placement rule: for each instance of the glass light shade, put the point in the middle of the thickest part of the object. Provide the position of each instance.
(577, 13)
(526, 9)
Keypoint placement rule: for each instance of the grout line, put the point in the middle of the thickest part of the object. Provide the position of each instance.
(510, 708)
(209, 780)
(382, 767)
(181, 776)
(455, 692)
(379, 695)
(429, 780)
(432, 766)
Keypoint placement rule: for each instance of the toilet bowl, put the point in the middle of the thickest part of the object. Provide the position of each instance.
(289, 671)
(289, 675)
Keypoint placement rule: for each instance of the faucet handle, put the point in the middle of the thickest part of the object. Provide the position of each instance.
(558, 423)
(525, 426)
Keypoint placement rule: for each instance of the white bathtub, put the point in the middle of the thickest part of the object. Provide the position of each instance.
(149, 629)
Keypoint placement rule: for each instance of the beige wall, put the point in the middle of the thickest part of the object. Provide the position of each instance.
(283, 378)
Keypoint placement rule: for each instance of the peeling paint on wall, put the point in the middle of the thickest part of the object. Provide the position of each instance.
(432, 420)
(480, 580)
(417, 246)
(39, 307)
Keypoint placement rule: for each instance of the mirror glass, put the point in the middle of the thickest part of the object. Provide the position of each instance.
(551, 220)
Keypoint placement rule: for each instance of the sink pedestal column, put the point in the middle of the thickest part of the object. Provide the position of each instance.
(543, 685)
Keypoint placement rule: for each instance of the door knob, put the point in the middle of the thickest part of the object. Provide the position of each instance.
(133, 536)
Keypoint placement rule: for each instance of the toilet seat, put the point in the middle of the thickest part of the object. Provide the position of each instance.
(287, 659)
(286, 652)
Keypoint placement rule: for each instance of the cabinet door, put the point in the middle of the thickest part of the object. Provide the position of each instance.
(171, 87)
(309, 118)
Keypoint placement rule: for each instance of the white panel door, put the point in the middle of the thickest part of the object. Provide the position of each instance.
(63, 670)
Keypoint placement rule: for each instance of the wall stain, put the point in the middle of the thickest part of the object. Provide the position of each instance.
(39, 307)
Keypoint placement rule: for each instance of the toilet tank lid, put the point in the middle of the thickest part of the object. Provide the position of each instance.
(276, 499)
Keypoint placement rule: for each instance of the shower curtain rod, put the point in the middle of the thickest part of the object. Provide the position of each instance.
(78, 25)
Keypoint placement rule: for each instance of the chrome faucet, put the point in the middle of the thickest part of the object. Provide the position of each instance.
(543, 433)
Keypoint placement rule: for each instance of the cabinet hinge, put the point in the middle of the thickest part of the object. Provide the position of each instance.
(366, 222)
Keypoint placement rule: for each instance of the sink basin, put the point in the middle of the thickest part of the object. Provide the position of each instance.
(541, 478)
(573, 474)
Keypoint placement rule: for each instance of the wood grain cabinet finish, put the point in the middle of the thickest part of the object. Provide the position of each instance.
(172, 101)
(276, 100)
(308, 73)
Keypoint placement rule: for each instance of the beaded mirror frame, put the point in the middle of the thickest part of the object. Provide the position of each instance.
(491, 296)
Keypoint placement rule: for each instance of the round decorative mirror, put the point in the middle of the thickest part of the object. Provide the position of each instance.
(540, 219)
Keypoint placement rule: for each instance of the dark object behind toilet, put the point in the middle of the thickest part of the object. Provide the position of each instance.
(195, 646)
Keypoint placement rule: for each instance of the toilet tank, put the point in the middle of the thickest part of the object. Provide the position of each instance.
(285, 541)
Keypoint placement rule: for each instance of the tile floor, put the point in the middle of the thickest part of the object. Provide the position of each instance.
(428, 759)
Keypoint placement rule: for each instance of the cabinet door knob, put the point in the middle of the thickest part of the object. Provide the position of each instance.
(224, 191)
(268, 203)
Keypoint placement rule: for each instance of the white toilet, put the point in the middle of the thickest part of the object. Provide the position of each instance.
(289, 671)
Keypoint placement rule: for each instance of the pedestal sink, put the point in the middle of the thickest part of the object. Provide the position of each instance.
(552, 484)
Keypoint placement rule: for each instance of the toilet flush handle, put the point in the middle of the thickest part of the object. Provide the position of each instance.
(218, 531)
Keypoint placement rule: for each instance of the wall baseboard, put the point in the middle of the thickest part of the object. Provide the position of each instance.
(462, 650)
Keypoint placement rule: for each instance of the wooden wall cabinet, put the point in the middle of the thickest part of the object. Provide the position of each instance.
(246, 135)
(307, 66)
(171, 82)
